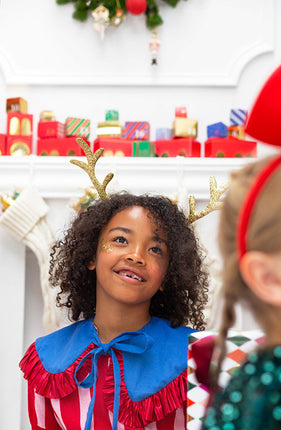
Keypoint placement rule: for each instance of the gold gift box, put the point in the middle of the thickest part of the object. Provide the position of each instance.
(185, 127)
(17, 104)
(109, 128)
(47, 115)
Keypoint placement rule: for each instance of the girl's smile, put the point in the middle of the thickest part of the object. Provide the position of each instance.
(132, 258)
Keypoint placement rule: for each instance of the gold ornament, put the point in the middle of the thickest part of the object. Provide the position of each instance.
(117, 19)
(101, 19)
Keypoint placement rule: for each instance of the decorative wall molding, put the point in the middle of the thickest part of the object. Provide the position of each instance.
(56, 177)
(227, 42)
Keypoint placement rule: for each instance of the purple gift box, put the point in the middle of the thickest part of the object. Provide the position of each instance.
(163, 133)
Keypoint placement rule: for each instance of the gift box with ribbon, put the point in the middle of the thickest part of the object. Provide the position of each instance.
(77, 127)
(136, 130)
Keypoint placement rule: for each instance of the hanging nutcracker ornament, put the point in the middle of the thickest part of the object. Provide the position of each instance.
(154, 46)
(136, 7)
(101, 19)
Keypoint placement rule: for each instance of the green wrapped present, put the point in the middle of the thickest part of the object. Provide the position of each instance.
(143, 148)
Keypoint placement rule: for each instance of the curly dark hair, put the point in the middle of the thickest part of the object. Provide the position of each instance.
(184, 295)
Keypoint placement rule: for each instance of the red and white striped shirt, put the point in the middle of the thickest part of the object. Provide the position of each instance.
(70, 412)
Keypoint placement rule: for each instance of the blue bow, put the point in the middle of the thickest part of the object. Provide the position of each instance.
(132, 342)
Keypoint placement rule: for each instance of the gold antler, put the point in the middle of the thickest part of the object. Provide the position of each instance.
(214, 204)
(90, 168)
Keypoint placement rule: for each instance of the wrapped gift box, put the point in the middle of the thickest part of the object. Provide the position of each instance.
(230, 147)
(17, 104)
(111, 115)
(66, 146)
(47, 129)
(238, 117)
(201, 358)
(183, 146)
(181, 112)
(163, 134)
(3, 144)
(136, 130)
(219, 129)
(77, 127)
(185, 127)
(114, 146)
(47, 115)
(109, 128)
(143, 148)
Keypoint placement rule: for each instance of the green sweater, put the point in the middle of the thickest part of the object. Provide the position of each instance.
(252, 399)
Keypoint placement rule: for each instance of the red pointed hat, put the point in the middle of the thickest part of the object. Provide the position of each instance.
(264, 120)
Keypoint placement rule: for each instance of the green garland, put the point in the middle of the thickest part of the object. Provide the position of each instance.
(82, 7)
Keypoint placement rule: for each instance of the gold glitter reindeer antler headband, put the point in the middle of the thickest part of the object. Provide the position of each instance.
(90, 168)
(92, 158)
(212, 205)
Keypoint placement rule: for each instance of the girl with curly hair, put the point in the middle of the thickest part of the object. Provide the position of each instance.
(130, 271)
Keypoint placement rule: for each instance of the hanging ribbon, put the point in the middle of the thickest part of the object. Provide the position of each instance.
(132, 342)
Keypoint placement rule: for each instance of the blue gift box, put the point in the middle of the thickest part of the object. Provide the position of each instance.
(219, 129)
(238, 117)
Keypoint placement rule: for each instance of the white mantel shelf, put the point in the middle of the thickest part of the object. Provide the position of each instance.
(56, 177)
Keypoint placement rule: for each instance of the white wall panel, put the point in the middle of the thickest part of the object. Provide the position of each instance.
(204, 42)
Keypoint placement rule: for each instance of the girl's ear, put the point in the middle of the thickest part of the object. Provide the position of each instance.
(92, 265)
(262, 274)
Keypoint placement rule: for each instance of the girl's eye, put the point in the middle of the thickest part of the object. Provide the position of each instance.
(120, 239)
(156, 250)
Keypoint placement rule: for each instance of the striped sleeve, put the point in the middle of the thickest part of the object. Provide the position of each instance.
(40, 412)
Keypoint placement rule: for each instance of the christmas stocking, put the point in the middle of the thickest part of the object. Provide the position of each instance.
(26, 220)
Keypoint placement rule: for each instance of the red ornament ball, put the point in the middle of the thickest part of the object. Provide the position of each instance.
(136, 7)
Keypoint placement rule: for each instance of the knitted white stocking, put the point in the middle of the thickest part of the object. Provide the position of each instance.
(26, 220)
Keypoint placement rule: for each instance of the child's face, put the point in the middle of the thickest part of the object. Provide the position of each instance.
(131, 260)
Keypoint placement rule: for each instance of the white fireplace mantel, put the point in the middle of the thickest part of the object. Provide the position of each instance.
(56, 177)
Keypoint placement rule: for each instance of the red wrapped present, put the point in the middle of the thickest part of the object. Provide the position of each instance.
(65, 146)
(114, 146)
(180, 112)
(136, 130)
(230, 147)
(2, 144)
(77, 127)
(184, 146)
(47, 129)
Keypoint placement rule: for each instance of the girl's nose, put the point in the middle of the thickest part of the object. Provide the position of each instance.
(135, 257)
